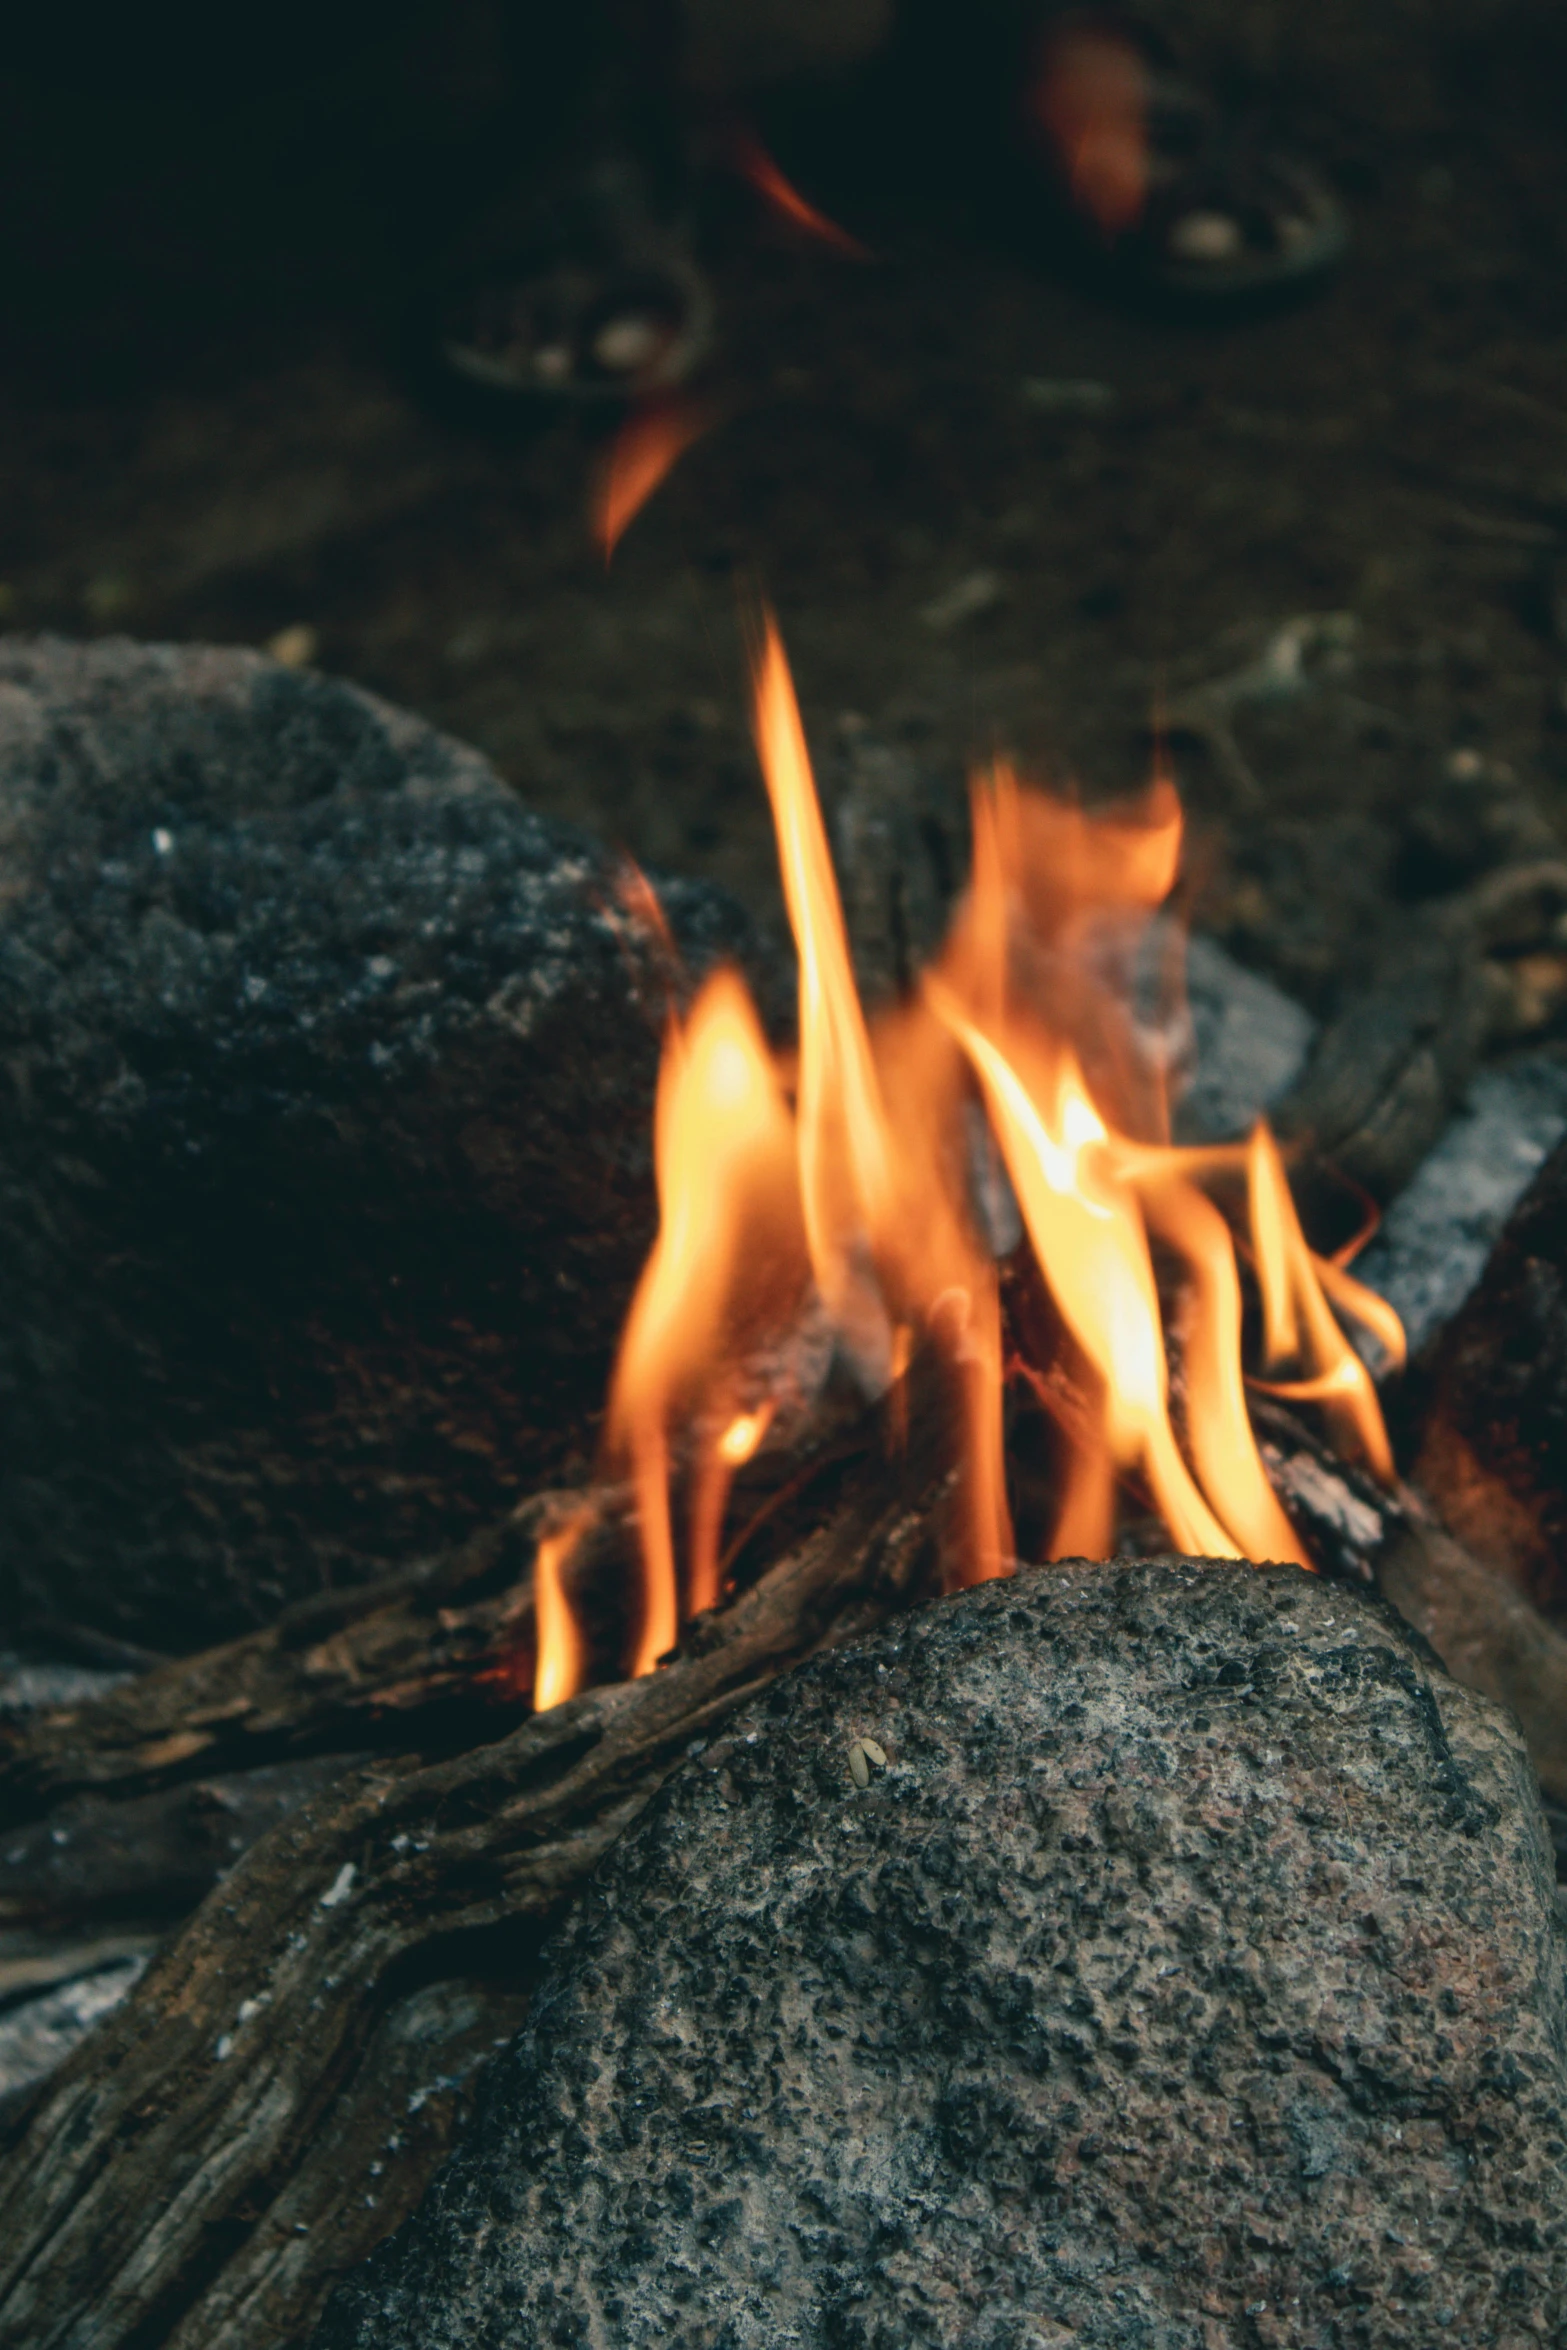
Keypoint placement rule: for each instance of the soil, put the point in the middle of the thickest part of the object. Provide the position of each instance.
(210, 429)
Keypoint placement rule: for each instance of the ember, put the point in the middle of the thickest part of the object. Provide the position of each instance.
(832, 1190)
(646, 449)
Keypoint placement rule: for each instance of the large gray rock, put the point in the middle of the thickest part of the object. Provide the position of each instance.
(326, 1077)
(1190, 1977)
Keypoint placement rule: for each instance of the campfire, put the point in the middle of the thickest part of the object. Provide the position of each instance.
(838, 1210)
(935, 1292)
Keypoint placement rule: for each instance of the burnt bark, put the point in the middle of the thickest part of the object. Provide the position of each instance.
(426, 1657)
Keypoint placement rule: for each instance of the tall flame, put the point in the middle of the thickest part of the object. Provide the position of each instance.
(845, 1173)
(889, 1246)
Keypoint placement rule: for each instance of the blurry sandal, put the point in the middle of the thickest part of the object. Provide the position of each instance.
(602, 303)
(1148, 176)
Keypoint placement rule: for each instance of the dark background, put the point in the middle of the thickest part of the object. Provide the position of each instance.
(221, 235)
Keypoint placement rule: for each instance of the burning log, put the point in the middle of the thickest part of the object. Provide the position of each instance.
(252, 2062)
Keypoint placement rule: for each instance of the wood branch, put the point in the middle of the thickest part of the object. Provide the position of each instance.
(365, 1668)
(150, 2201)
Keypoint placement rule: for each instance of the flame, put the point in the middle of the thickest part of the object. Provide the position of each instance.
(847, 1155)
(1091, 98)
(1092, 1246)
(561, 1659)
(728, 1251)
(649, 444)
(742, 1436)
(886, 1235)
(1300, 1323)
(840, 1181)
(753, 163)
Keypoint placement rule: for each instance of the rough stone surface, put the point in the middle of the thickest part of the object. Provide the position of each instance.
(324, 1133)
(1496, 1431)
(1250, 1042)
(1190, 1976)
(1438, 1233)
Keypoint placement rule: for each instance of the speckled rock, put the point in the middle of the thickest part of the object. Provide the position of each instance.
(324, 1134)
(1190, 1977)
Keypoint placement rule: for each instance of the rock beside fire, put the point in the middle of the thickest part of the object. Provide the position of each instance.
(324, 1136)
(1496, 1433)
(1159, 1954)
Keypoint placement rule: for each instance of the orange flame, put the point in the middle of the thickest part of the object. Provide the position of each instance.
(1299, 1322)
(753, 163)
(847, 1169)
(728, 1254)
(650, 443)
(561, 1660)
(886, 1239)
(1092, 100)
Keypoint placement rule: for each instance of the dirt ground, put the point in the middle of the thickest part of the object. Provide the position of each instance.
(218, 438)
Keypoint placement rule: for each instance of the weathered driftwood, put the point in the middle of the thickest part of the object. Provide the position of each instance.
(372, 1666)
(150, 1858)
(159, 2192)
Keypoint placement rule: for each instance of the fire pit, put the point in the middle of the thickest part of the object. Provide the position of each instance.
(932, 1290)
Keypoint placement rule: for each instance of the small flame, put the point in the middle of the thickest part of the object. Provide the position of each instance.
(1091, 98)
(841, 1182)
(1302, 1323)
(650, 443)
(753, 163)
(558, 1673)
(744, 1433)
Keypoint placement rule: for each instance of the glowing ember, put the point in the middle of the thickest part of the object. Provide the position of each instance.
(840, 1182)
(752, 161)
(650, 443)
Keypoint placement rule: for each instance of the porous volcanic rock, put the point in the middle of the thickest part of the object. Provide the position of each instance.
(324, 1133)
(1494, 1453)
(1191, 1976)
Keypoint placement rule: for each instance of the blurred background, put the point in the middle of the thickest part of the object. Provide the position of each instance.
(999, 487)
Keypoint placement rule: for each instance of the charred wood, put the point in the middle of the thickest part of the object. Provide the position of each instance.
(380, 1665)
